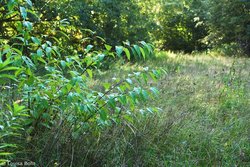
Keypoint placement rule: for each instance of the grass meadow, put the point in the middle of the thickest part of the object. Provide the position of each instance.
(203, 120)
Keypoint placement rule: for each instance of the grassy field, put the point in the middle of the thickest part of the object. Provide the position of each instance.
(205, 102)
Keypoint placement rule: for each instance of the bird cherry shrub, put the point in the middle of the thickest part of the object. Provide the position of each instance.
(47, 103)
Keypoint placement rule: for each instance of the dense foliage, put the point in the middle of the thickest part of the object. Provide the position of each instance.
(48, 101)
(172, 25)
(229, 22)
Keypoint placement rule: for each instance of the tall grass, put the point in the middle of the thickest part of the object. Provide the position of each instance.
(204, 119)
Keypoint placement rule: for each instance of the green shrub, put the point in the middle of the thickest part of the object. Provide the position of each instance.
(50, 104)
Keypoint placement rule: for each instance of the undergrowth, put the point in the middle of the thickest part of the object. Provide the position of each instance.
(204, 119)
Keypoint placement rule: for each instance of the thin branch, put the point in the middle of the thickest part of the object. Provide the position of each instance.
(72, 155)
(108, 91)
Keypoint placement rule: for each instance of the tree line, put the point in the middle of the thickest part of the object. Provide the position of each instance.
(182, 25)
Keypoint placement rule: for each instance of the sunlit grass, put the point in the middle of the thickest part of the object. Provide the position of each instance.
(205, 111)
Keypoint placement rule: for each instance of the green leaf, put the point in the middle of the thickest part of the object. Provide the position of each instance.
(48, 51)
(4, 145)
(5, 153)
(89, 47)
(64, 34)
(41, 60)
(143, 43)
(103, 115)
(19, 38)
(145, 78)
(112, 103)
(123, 100)
(101, 57)
(126, 43)
(147, 48)
(157, 73)
(30, 80)
(129, 81)
(9, 69)
(137, 74)
(35, 114)
(19, 52)
(143, 53)
(39, 52)
(7, 76)
(10, 5)
(28, 61)
(119, 50)
(36, 40)
(64, 22)
(107, 86)
(137, 49)
(90, 73)
(5, 63)
(63, 64)
(49, 43)
(19, 71)
(133, 96)
(102, 39)
(154, 90)
(108, 47)
(127, 53)
(28, 25)
(150, 110)
(17, 108)
(46, 116)
(29, 2)
(23, 13)
(70, 97)
(153, 76)
(145, 94)
(3, 162)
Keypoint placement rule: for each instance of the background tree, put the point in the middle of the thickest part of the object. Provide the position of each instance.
(228, 22)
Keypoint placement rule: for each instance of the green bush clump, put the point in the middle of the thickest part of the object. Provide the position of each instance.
(48, 104)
